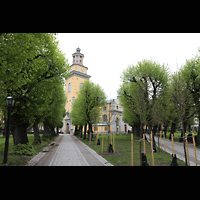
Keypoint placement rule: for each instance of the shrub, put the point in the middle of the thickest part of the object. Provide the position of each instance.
(23, 149)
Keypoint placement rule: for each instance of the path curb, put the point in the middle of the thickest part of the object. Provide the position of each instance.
(94, 153)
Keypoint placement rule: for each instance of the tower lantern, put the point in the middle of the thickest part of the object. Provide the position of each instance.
(78, 57)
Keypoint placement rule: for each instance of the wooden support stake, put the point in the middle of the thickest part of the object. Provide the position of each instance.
(160, 140)
(152, 148)
(97, 138)
(90, 138)
(194, 148)
(172, 144)
(188, 157)
(144, 144)
(113, 142)
(131, 149)
(111, 138)
(102, 144)
(164, 140)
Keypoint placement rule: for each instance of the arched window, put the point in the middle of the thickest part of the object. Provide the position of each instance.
(69, 87)
(73, 98)
(80, 86)
(117, 121)
(104, 118)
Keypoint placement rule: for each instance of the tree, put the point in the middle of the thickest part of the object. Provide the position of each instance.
(183, 102)
(86, 107)
(29, 64)
(142, 85)
(151, 79)
(191, 71)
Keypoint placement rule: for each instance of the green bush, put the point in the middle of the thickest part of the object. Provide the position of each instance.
(23, 149)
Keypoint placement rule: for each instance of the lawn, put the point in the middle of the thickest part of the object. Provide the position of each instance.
(122, 155)
(20, 160)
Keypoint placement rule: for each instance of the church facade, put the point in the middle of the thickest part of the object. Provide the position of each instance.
(111, 114)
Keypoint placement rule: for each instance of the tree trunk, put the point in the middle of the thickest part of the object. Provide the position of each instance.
(36, 133)
(81, 130)
(173, 127)
(46, 131)
(198, 133)
(136, 129)
(141, 132)
(182, 135)
(90, 132)
(20, 135)
(165, 130)
(149, 129)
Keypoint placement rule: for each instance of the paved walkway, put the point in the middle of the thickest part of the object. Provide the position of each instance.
(179, 151)
(69, 152)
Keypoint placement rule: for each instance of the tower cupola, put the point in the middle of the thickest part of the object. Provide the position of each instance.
(78, 57)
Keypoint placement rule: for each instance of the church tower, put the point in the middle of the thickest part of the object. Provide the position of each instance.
(77, 75)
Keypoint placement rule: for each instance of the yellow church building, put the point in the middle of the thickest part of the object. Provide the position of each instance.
(77, 75)
(111, 114)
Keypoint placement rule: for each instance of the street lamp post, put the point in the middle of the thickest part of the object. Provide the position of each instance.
(10, 101)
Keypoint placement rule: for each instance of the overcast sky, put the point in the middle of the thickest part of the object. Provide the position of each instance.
(107, 54)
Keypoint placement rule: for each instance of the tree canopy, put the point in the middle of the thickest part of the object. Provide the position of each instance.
(85, 109)
(33, 69)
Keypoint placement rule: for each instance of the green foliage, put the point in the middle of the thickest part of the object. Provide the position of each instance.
(33, 69)
(143, 84)
(23, 149)
(85, 109)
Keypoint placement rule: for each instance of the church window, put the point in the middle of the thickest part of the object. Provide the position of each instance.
(73, 98)
(80, 85)
(69, 87)
(117, 121)
(104, 118)
(104, 108)
(117, 107)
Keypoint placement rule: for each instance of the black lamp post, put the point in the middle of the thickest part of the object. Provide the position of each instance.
(10, 102)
